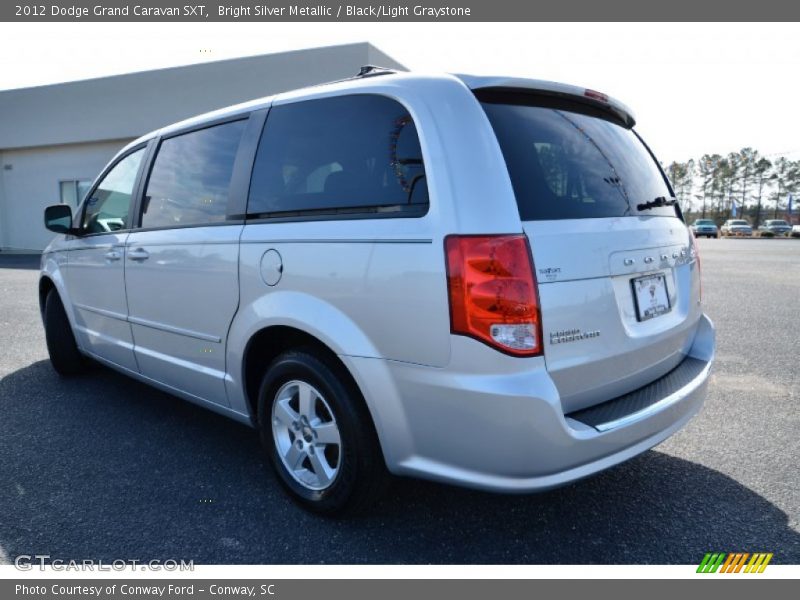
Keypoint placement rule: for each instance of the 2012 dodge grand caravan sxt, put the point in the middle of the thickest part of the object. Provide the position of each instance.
(483, 281)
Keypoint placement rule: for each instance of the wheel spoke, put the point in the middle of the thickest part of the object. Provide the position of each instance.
(305, 398)
(284, 413)
(321, 468)
(294, 456)
(328, 433)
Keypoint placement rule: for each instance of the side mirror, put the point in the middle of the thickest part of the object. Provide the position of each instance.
(58, 218)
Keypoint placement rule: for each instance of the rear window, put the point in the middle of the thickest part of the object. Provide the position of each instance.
(341, 155)
(567, 165)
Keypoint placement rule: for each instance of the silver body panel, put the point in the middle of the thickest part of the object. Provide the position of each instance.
(589, 265)
(374, 291)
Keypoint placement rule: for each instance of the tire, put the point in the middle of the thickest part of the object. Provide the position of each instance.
(326, 478)
(64, 354)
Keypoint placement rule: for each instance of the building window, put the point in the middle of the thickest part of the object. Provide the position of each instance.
(73, 191)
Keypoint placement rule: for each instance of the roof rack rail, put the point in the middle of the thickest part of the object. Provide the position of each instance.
(363, 72)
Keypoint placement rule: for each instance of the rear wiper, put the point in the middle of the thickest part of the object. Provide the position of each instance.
(658, 202)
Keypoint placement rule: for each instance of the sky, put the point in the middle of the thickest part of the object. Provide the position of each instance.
(694, 88)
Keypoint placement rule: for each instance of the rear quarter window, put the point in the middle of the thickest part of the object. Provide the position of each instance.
(339, 155)
(568, 165)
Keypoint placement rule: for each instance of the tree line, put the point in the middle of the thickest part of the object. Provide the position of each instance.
(743, 184)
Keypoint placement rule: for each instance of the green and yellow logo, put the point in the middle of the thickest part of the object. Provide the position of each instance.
(736, 562)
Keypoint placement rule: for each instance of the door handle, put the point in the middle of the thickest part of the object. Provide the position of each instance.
(113, 255)
(139, 254)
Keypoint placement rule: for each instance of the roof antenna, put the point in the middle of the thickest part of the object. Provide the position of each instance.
(373, 70)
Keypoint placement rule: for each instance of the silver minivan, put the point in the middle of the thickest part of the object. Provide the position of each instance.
(484, 281)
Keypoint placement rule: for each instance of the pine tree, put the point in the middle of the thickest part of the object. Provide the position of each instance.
(762, 170)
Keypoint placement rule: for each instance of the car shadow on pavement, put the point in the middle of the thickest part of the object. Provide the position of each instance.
(103, 467)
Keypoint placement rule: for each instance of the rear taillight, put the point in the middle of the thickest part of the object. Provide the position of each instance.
(492, 290)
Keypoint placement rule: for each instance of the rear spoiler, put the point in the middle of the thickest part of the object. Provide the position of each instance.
(550, 94)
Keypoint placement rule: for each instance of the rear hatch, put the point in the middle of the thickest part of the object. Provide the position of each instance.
(617, 276)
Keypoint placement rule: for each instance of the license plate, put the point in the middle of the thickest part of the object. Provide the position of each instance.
(650, 296)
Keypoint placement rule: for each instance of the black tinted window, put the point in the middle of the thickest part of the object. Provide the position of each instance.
(565, 165)
(189, 181)
(345, 154)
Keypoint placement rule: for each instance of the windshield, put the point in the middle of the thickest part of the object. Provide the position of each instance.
(704, 222)
(777, 223)
(740, 223)
(569, 165)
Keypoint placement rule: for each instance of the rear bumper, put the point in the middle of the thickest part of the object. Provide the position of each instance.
(507, 431)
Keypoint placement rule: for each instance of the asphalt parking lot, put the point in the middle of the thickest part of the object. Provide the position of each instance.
(103, 467)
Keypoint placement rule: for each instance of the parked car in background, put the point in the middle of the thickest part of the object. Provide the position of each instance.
(424, 275)
(736, 227)
(775, 227)
(705, 228)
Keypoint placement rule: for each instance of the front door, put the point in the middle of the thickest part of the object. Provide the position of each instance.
(96, 266)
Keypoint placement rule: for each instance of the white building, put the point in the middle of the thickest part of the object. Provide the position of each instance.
(55, 139)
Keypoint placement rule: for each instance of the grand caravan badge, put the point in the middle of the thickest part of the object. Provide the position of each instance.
(572, 335)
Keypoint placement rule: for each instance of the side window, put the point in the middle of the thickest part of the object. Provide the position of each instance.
(108, 207)
(346, 154)
(189, 181)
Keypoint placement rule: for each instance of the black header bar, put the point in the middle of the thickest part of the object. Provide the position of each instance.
(416, 11)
